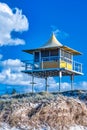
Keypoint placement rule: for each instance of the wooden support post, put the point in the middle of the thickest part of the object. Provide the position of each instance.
(46, 84)
(72, 79)
(60, 76)
(32, 83)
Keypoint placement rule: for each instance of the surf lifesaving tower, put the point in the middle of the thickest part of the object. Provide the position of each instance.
(53, 59)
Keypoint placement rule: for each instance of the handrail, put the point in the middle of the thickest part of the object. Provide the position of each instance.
(50, 58)
(26, 61)
(76, 66)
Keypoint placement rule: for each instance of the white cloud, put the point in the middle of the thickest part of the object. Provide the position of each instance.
(1, 56)
(11, 20)
(78, 85)
(84, 84)
(14, 65)
(11, 75)
(58, 33)
(81, 85)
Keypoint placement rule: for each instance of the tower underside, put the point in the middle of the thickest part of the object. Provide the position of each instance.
(51, 72)
(45, 73)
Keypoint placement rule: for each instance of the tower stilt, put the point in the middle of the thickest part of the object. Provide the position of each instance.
(60, 76)
(72, 79)
(32, 83)
(46, 84)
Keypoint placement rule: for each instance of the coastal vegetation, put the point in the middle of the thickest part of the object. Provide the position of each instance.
(44, 111)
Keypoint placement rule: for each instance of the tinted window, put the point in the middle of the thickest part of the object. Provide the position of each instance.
(45, 53)
(36, 57)
(54, 52)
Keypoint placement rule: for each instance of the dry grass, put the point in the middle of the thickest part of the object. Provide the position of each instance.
(58, 112)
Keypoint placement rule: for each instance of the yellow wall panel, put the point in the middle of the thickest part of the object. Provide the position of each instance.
(64, 64)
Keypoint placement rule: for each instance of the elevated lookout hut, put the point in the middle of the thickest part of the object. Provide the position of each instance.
(53, 59)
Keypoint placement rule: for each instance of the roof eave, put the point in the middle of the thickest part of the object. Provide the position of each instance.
(28, 51)
(38, 49)
(74, 52)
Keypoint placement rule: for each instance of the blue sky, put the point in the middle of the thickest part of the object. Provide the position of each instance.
(32, 26)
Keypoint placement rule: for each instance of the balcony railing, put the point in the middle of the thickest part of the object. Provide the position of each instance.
(31, 65)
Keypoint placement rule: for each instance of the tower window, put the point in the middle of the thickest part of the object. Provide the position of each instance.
(45, 53)
(36, 57)
(54, 52)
